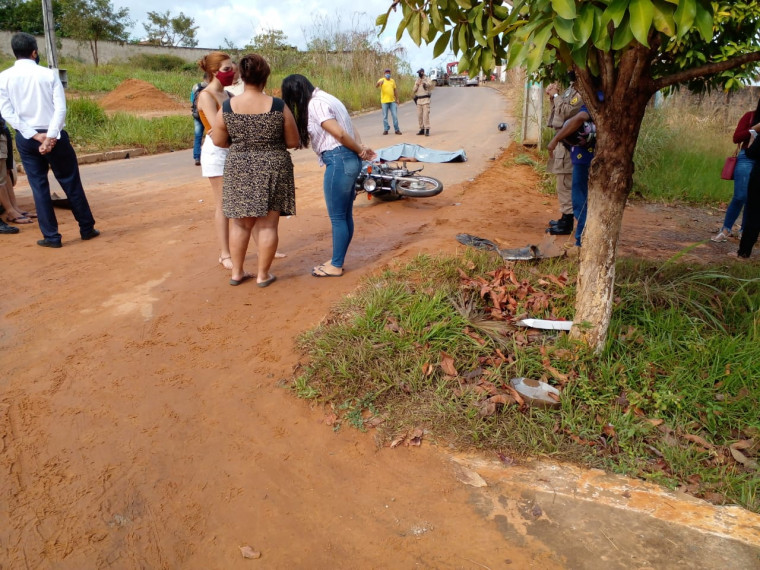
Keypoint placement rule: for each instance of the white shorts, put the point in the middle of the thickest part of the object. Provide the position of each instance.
(212, 159)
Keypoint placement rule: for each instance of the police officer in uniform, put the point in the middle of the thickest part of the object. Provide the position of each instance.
(422, 89)
(563, 106)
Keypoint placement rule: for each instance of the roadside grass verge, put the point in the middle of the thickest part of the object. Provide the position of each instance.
(428, 349)
(92, 130)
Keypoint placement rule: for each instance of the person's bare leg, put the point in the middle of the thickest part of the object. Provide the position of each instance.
(240, 236)
(265, 234)
(221, 223)
(8, 200)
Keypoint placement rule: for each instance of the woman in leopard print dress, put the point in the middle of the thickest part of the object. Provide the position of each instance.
(258, 175)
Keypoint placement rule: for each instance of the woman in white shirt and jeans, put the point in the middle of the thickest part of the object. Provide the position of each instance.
(324, 121)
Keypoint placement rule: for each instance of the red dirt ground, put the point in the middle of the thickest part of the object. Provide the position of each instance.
(142, 419)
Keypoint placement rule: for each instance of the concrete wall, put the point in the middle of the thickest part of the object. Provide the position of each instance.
(107, 51)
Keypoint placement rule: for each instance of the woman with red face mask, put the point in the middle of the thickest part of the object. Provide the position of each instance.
(219, 68)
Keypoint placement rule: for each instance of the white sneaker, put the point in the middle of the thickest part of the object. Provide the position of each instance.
(722, 236)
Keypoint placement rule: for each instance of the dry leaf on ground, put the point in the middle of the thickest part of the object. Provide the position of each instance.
(447, 365)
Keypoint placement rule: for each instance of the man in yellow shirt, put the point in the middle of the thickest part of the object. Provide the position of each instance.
(389, 101)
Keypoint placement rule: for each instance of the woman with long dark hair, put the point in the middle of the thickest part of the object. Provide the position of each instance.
(324, 122)
(258, 176)
(744, 164)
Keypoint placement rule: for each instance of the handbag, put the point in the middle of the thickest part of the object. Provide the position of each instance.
(728, 167)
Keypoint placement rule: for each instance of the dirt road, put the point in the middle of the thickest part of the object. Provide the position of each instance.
(142, 416)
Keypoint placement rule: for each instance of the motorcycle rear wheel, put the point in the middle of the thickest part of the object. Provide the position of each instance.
(418, 186)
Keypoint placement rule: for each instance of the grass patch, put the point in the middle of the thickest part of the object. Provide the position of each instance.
(418, 349)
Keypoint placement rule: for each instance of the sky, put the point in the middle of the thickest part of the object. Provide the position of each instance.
(239, 20)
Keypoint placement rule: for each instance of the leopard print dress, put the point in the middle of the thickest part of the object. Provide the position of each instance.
(258, 174)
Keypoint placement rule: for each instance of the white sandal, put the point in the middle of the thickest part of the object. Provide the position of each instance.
(721, 237)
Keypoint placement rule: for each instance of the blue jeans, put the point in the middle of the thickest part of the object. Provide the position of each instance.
(741, 181)
(343, 166)
(394, 113)
(580, 198)
(198, 139)
(63, 161)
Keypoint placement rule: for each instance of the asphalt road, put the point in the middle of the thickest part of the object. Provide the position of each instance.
(461, 118)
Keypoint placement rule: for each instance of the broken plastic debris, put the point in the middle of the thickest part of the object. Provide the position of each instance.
(546, 248)
(536, 392)
(547, 325)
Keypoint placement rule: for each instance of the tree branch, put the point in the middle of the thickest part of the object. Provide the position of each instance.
(707, 69)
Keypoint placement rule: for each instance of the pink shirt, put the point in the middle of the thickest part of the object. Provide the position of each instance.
(323, 107)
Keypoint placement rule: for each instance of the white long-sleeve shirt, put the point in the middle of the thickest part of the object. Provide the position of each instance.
(32, 99)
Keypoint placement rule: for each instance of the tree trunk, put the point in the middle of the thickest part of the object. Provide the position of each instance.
(94, 50)
(610, 182)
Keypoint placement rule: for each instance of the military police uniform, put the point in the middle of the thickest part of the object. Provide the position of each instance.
(564, 106)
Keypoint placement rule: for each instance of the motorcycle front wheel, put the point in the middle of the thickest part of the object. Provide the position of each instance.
(418, 186)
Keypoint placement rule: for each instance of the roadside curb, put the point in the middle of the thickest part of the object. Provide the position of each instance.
(111, 155)
(617, 492)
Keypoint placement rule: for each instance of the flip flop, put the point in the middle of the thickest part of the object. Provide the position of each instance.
(268, 282)
(244, 278)
(29, 215)
(20, 220)
(319, 271)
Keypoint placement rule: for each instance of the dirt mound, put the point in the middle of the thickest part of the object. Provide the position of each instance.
(139, 96)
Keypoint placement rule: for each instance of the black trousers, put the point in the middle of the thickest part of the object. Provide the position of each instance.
(62, 160)
(751, 214)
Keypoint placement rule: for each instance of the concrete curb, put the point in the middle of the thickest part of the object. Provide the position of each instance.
(111, 155)
(616, 492)
(99, 157)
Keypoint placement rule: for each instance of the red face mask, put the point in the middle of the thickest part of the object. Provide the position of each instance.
(226, 77)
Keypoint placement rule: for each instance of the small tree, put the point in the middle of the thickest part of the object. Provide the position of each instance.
(19, 16)
(94, 20)
(623, 52)
(163, 29)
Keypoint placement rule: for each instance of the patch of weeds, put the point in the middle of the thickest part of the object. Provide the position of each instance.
(431, 348)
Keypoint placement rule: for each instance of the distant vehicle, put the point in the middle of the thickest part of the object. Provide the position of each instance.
(472, 81)
(438, 76)
(455, 78)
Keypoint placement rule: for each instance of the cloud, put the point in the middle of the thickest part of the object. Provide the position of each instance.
(238, 21)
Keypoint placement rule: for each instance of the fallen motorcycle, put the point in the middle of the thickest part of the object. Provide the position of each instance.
(389, 181)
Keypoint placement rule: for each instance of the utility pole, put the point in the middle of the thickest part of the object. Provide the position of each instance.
(47, 20)
(50, 50)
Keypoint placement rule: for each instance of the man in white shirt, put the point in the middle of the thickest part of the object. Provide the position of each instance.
(32, 101)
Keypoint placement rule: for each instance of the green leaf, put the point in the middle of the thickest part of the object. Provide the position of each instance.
(463, 38)
(516, 55)
(684, 16)
(565, 30)
(536, 52)
(415, 29)
(641, 14)
(615, 12)
(435, 16)
(486, 61)
(704, 20)
(600, 35)
(663, 17)
(466, 4)
(464, 64)
(623, 35)
(441, 43)
(564, 8)
(580, 55)
(382, 20)
(401, 27)
(584, 23)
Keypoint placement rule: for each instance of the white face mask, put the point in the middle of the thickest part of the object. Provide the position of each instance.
(387, 75)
